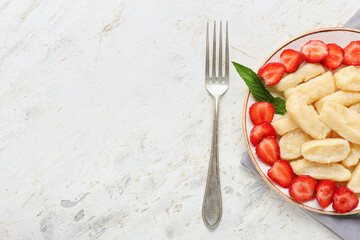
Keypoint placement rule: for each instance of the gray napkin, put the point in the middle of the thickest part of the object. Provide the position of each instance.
(347, 227)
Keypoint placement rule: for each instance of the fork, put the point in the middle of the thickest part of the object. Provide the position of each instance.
(216, 86)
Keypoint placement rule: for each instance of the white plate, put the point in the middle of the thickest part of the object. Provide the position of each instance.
(340, 36)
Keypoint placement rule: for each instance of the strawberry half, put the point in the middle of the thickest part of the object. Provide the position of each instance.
(315, 51)
(260, 131)
(268, 150)
(302, 188)
(291, 59)
(344, 200)
(281, 173)
(272, 73)
(335, 57)
(261, 112)
(352, 53)
(324, 192)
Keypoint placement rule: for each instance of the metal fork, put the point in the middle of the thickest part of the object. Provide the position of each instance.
(216, 86)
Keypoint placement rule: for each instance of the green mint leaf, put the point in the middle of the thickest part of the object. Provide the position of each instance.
(279, 105)
(258, 88)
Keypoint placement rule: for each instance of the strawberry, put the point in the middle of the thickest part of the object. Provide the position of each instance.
(335, 57)
(344, 200)
(352, 53)
(324, 192)
(315, 51)
(281, 173)
(271, 73)
(302, 188)
(260, 131)
(261, 111)
(268, 150)
(291, 59)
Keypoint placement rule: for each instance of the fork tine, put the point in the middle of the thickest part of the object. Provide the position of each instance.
(207, 53)
(220, 52)
(214, 54)
(227, 54)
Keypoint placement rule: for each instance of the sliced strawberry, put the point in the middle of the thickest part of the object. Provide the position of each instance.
(281, 173)
(261, 112)
(344, 200)
(268, 150)
(302, 188)
(315, 51)
(272, 73)
(335, 57)
(352, 53)
(260, 131)
(291, 59)
(324, 192)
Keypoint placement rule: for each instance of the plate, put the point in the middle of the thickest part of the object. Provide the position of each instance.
(340, 36)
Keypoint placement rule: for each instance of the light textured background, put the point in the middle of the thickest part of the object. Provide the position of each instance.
(105, 124)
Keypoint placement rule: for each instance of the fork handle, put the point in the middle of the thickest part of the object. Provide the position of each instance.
(212, 204)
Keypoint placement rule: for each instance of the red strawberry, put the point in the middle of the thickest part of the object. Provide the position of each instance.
(260, 131)
(315, 51)
(352, 54)
(261, 111)
(324, 192)
(291, 59)
(268, 150)
(272, 73)
(335, 57)
(302, 188)
(281, 173)
(344, 200)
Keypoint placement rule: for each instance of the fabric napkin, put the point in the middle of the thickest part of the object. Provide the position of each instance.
(347, 227)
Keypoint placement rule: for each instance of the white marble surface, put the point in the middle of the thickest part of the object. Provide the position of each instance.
(105, 123)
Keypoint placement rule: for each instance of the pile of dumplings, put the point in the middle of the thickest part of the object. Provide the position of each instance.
(320, 135)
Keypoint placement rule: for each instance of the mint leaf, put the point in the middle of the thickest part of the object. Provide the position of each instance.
(279, 105)
(258, 88)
